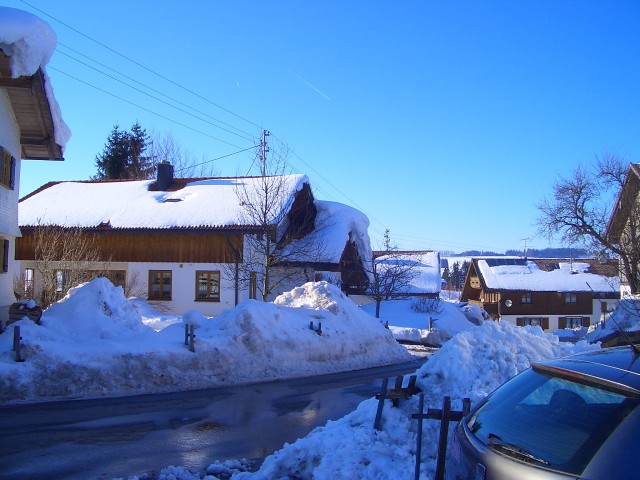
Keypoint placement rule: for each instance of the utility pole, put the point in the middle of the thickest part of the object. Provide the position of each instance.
(525, 246)
(264, 149)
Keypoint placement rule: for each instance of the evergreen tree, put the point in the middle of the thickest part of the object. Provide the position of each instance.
(112, 161)
(140, 166)
(455, 276)
(446, 276)
(123, 155)
(464, 268)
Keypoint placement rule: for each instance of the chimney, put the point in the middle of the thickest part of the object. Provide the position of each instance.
(165, 175)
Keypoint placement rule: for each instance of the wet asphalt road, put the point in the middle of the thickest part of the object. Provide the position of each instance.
(121, 437)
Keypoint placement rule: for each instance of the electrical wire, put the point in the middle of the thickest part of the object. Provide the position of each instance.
(143, 108)
(155, 98)
(248, 135)
(214, 159)
(142, 66)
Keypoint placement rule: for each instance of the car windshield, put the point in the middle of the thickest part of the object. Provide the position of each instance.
(550, 422)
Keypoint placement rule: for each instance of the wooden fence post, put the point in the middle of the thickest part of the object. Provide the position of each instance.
(445, 416)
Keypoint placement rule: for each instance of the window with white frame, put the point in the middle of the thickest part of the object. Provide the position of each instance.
(574, 322)
(28, 282)
(533, 321)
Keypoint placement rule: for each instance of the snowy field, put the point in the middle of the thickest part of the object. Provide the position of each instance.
(95, 342)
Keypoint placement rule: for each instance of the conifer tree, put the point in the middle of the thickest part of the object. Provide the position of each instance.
(123, 155)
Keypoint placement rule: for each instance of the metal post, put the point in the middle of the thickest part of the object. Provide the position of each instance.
(383, 394)
(17, 343)
(442, 442)
(419, 439)
(192, 338)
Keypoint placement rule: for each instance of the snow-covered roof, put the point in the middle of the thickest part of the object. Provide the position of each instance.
(546, 275)
(199, 203)
(29, 42)
(426, 266)
(335, 224)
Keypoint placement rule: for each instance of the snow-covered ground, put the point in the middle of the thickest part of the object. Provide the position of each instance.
(95, 342)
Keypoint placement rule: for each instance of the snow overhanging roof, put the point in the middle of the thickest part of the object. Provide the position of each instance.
(26, 45)
(546, 275)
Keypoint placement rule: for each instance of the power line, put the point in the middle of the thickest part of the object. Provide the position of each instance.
(155, 98)
(218, 158)
(144, 108)
(149, 88)
(142, 66)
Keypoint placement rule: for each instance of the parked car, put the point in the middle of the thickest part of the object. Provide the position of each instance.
(575, 417)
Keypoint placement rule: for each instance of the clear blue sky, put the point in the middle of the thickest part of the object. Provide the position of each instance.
(445, 122)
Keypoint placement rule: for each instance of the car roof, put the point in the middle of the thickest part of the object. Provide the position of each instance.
(617, 365)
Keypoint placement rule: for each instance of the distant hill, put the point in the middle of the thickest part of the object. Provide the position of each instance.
(550, 252)
(553, 252)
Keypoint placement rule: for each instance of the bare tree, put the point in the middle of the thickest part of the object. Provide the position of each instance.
(64, 258)
(163, 147)
(580, 209)
(391, 274)
(275, 254)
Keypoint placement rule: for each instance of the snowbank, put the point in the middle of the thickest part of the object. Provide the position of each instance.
(472, 364)
(95, 343)
(407, 324)
(626, 316)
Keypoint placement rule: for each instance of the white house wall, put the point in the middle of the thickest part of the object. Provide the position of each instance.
(183, 279)
(594, 318)
(10, 140)
(183, 285)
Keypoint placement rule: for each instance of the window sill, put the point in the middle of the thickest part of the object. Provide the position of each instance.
(207, 300)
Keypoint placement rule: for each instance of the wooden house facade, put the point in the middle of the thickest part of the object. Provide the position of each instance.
(624, 229)
(28, 130)
(552, 293)
(178, 242)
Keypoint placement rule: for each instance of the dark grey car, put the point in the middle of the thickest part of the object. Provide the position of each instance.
(575, 417)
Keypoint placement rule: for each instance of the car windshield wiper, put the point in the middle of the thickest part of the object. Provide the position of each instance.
(515, 451)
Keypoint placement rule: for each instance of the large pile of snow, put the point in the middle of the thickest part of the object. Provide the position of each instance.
(29, 42)
(95, 343)
(434, 323)
(472, 364)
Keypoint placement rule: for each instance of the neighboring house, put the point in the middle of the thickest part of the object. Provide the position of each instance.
(552, 293)
(30, 124)
(178, 240)
(425, 268)
(624, 229)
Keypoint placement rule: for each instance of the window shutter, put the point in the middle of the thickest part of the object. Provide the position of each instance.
(520, 322)
(5, 256)
(12, 175)
(562, 322)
